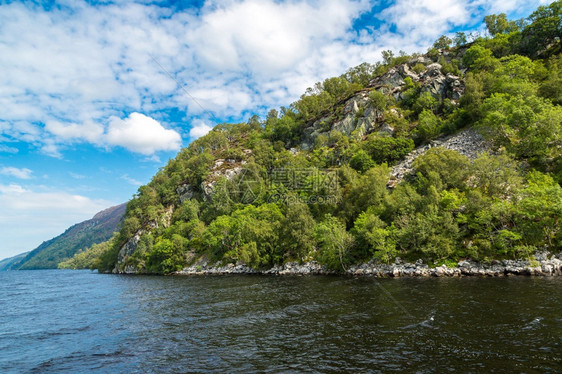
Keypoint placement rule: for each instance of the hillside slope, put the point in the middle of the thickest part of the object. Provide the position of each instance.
(440, 157)
(80, 236)
(7, 263)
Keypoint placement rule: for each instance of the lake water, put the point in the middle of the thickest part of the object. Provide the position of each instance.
(78, 321)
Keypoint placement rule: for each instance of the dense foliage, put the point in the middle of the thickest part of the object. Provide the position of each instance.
(87, 259)
(297, 198)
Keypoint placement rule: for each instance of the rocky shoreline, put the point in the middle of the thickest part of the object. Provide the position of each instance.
(544, 264)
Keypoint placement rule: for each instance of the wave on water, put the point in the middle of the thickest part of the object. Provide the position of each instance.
(428, 322)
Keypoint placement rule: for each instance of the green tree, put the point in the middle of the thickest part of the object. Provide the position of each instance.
(425, 101)
(460, 39)
(367, 191)
(442, 168)
(495, 176)
(479, 58)
(166, 256)
(387, 149)
(530, 127)
(443, 42)
(499, 24)
(361, 74)
(388, 57)
(334, 243)
(428, 126)
(538, 211)
(544, 30)
(198, 167)
(373, 238)
(298, 231)
(431, 235)
(378, 100)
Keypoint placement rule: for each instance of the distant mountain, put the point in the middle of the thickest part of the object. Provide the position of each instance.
(80, 236)
(7, 263)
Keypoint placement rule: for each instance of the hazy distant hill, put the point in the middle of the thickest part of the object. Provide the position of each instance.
(7, 263)
(77, 237)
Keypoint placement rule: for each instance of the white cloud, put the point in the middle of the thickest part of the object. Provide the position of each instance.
(76, 176)
(138, 133)
(142, 134)
(424, 19)
(88, 131)
(132, 181)
(152, 158)
(50, 148)
(199, 129)
(7, 149)
(23, 173)
(267, 36)
(47, 213)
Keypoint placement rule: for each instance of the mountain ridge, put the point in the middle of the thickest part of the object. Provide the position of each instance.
(79, 236)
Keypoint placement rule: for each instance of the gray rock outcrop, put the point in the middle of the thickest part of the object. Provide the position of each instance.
(222, 168)
(127, 250)
(543, 264)
(359, 118)
(467, 142)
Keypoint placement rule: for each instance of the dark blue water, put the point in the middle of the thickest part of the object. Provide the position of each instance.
(77, 321)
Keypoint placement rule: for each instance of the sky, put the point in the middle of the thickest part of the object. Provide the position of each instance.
(96, 96)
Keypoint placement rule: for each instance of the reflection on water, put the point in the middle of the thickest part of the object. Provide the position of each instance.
(78, 321)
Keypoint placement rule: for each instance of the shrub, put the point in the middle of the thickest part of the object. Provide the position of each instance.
(388, 149)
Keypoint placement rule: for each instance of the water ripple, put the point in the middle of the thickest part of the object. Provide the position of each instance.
(61, 321)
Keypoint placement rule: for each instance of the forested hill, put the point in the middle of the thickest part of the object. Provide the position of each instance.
(448, 155)
(7, 263)
(76, 238)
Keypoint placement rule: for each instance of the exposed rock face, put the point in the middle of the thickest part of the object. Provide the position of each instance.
(467, 142)
(204, 268)
(132, 244)
(432, 80)
(456, 87)
(185, 192)
(360, 118)
(222, 168)
(127, 250)
(544, 265)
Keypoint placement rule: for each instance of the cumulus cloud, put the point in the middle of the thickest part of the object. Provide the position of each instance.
(142, 134)
(199, 129)
(267, 36)
(23, 173)
(49, 213)
(137, 132)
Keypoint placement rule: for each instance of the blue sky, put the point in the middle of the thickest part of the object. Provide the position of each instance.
(88, 111)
